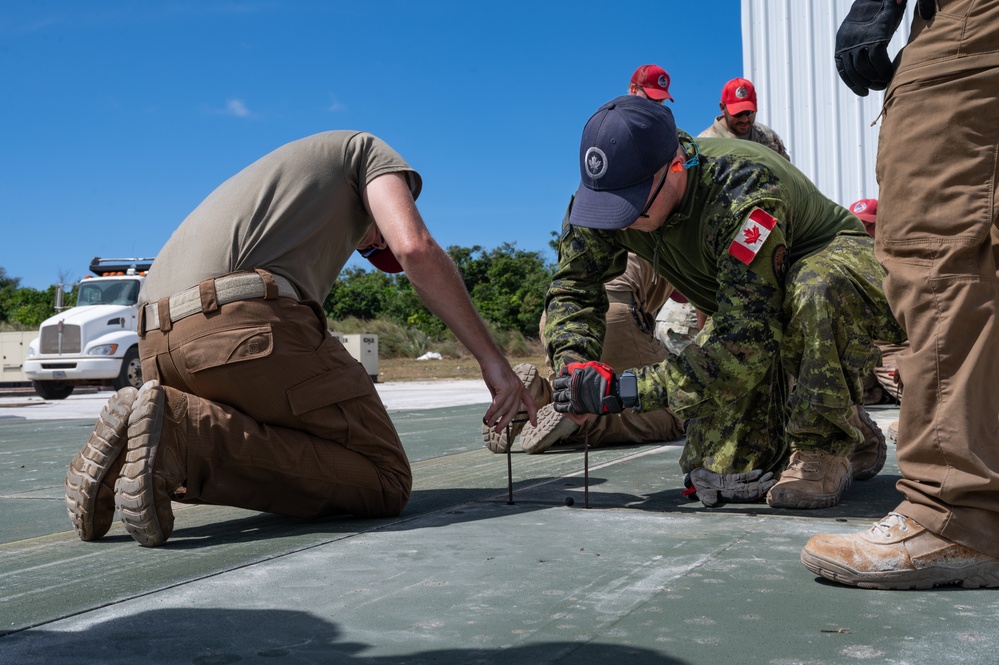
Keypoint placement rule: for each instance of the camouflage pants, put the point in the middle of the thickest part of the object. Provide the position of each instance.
(834, 307)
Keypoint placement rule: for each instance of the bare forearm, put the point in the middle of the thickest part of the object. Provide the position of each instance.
(438, 283)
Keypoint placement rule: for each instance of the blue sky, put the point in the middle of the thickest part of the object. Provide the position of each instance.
(120, 117)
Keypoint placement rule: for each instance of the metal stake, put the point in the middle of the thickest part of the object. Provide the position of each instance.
(586, 467)
(509, 464)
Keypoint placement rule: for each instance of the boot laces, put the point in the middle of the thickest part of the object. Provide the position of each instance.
(890, 521)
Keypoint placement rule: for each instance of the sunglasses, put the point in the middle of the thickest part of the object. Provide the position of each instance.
(676, 167)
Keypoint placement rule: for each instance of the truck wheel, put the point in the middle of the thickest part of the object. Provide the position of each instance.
(52, 389)
(131, 371)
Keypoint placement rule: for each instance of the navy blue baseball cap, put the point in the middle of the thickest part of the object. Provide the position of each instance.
(624, 145)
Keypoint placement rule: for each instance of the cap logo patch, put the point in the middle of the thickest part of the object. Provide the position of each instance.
(596, 163)
(663, 82)
(741, 92)
(860, 207)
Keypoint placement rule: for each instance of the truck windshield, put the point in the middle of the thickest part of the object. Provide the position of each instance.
(112, 292)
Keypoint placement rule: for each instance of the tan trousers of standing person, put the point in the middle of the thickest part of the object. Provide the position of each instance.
(937, 237)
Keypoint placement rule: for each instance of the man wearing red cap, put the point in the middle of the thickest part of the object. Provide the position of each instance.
(738, 118)
(252, 402)
(650, 82)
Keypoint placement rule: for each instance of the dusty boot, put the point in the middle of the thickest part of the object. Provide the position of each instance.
(898, 553)
(552, 428)
(812, 479)
(94, 470)
(155, 464)
(538, 390)
(868, 458)
(893, 432)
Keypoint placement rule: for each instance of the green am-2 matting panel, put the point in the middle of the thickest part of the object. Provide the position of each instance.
(642, 576)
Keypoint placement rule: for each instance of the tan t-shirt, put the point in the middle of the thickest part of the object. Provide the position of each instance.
(296, 212)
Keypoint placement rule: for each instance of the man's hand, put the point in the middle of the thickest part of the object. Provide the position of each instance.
(862, 44)
(714, 489)
(589, 387)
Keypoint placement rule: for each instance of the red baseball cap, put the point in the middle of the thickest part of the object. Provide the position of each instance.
(383, 259)
(654, 80)
(865, 209)
(739, 95)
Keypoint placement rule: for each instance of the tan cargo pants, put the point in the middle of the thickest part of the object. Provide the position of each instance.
(281, 418)
(937, 238)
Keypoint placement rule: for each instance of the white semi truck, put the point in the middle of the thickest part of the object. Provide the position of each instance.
(95, 342)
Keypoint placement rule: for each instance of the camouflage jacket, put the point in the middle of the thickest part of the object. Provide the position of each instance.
(758, 133)
(697, 250)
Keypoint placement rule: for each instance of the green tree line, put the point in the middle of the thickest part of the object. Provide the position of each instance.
(507, 286)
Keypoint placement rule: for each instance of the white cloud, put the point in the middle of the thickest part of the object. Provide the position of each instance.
(237, 108)
(335, 106)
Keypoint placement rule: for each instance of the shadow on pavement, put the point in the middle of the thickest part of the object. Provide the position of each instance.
(221, 636)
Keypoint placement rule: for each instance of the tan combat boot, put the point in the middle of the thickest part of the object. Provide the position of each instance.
(552, 428)
(155, 464)
(868, 458)
(898, 553)
(539, 391)
(94, 470)
(813, 479)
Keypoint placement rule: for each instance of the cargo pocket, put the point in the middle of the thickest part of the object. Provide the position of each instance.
(341, 384)
(227, 347)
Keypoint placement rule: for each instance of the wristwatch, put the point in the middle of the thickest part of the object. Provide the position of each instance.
(627, 388)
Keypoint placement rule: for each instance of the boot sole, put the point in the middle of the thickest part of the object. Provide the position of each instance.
(92, 465)
(779, 497)
(882, 448)
(984, 575)
(552, 428)
(135, 495)
(500, 442)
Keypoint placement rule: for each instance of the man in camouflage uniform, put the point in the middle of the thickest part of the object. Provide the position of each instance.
(787, 277)
(630, 341)
(738, 118)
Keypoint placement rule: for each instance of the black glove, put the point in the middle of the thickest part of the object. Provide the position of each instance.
(927, 9)
(862, 44)
(589, 387)
(714, 489)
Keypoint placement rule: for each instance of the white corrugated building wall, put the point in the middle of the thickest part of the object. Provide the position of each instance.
(787, 52)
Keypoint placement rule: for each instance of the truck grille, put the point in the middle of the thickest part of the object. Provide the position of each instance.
(70, 339)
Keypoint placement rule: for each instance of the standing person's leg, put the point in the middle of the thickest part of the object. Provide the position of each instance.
(936, 224)
(938, 214)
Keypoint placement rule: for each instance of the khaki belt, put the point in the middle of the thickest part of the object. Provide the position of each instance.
(626, 297)
(229, 288)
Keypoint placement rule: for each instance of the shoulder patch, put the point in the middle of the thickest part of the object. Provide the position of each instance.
(752, 235)
(781, 262)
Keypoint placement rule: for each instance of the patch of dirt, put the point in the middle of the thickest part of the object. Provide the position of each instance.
(408, 369)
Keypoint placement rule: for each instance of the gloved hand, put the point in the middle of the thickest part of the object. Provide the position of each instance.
(927, 9)
(589, 387)
(862, 44)
(714, 489)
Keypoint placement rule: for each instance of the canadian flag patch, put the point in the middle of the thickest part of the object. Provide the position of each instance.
(752, 235)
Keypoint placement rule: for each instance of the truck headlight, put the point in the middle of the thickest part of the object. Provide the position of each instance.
(103, 350)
